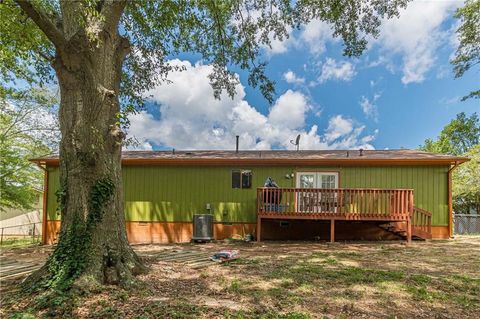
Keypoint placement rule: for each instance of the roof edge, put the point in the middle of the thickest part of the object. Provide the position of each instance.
(260, 161)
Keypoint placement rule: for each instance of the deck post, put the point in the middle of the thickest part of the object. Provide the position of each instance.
(332, 230)
(409, 229)
(259, 228)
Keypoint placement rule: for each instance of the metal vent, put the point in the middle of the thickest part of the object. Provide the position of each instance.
(202, 227)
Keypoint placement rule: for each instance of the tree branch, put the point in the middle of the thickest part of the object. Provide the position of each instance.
(42, 21)
(47, 57)
(112, 11)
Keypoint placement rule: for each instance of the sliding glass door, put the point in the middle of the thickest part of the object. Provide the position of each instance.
(316, 201)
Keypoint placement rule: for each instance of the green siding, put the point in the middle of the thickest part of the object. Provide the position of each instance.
(168, 193)
(430, 184)
(53, 186)
(175, 193)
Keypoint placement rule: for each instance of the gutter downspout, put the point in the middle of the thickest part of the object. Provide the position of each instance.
(450, 201)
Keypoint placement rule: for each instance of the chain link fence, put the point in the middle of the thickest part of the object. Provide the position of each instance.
(467, 224)
(26, 233)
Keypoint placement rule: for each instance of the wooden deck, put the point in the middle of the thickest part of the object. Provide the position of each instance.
(389, 205)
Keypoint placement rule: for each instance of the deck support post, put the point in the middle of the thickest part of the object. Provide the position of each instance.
(259, 228)
(332, 230)
(409, 230)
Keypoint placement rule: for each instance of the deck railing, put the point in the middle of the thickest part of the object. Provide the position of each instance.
(371, 203)
(422, 220)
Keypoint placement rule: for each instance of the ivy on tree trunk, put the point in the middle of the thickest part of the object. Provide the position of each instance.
(92, 239)
(95, 69)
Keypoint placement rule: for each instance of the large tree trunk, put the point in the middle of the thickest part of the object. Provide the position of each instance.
(92, 241)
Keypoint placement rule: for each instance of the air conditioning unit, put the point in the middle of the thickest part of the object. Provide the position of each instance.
(202, 227)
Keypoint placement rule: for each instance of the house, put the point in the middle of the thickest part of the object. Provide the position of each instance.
(17, 222)
(328, 194)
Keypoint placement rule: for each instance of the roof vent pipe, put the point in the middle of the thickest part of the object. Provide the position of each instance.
(236, 148)
(361, 152)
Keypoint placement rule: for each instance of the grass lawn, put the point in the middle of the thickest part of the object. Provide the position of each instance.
(437, 279)
(19, 242)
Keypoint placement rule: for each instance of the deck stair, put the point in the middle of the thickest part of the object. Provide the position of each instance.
(393, 208)
(421, 225)
(396, 228)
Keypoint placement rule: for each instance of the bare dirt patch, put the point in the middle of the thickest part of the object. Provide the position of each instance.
(437, 279)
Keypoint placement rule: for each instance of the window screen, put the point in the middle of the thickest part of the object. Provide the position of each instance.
(246, 179)
(241, 178)
(236, 179)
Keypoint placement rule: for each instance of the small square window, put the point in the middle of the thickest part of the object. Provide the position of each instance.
(241, 178)
(246, 179)
(236, 179)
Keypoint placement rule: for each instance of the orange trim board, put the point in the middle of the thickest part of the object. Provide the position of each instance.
(162, 232)
(52, 228)
(177, 232)
(441, 232)
(450, 201)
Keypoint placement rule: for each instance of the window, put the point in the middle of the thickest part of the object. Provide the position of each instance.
(241, 178)
(317, 179)
(316, 201)
(329, 181)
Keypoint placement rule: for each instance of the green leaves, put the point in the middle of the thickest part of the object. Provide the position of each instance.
(467, 54)
(71, 255)
(227, 34)
(100, 194)
(25, 51)
(27, 129)
(461, 137)
(457, 137)
(466, 183)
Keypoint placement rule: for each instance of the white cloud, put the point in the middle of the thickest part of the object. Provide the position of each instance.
(416, 36)
(278, 46)
(454, 40)
(338, 126)
(448, 101)
(315, 36)
(369, 107)
(289, 110)
(190, 118)
(292, 78)
(342, 133)
(333, 70)
(374, 83)
(134, 145)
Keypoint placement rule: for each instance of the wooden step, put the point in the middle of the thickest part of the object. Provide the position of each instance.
(421, 234)
(399, 228)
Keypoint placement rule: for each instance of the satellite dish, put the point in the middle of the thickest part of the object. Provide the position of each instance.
(297, 142)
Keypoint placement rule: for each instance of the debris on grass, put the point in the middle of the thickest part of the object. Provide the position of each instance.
(224, 256)
(276, 280)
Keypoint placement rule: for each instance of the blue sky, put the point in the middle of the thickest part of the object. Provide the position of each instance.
(400, 92)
